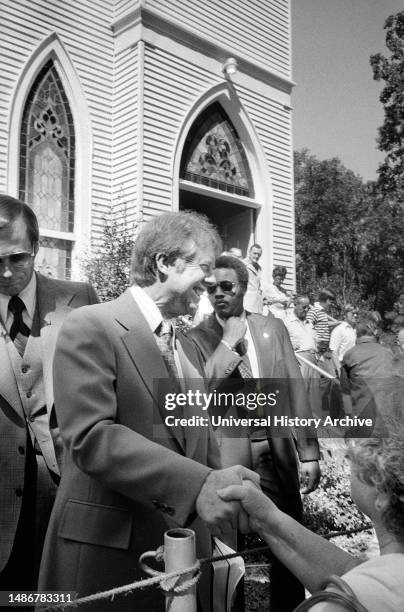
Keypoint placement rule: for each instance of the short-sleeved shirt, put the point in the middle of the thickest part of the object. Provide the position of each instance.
(377, 583)
(317, 316)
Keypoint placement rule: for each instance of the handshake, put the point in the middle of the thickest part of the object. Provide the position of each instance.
(232, 499)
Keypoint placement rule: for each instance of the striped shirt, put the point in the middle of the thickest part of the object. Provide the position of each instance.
(317, 316)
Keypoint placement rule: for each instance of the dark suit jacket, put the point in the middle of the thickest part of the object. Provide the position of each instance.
(276, 360)
(366, 374)
(120, 490)
(55, 299)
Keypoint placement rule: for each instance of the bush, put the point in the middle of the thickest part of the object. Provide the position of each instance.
(330, 507)
(108, 267)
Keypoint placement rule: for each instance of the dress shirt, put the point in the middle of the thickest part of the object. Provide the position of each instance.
(251, 352)
(301, 334)
(28, 296)
(343, 338)
(154, 318)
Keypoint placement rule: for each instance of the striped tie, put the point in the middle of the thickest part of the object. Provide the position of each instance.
(164, 335)
(244, 367)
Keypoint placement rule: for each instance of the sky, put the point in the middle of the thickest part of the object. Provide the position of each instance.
(336, 107)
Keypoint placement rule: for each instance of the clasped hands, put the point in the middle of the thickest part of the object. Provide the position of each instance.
(224, 515)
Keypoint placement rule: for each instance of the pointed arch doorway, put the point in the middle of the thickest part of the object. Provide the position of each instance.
(215, 178)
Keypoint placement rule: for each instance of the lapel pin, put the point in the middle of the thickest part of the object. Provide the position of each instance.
(266, 335)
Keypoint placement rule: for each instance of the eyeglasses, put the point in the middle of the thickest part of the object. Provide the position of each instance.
(17, 260)
(226, 286)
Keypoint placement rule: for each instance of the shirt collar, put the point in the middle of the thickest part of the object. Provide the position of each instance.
(28, 296)
(148, 307)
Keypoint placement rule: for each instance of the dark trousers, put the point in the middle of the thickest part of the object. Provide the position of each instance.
(22, 569)
(286, 592)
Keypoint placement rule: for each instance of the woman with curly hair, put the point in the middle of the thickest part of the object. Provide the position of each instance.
(377, 487)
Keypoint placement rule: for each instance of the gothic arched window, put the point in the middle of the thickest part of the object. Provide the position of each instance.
(47, 164)
(214, 155)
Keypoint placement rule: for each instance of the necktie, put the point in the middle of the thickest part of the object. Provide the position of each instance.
(19, 332)
(244, 367)
(165, 342)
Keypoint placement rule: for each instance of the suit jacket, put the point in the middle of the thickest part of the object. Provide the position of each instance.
(366, 374)
(55, 299)
(120, 489)
(276, 360)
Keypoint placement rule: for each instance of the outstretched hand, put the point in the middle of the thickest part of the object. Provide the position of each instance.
(259, 508)
(220, 515)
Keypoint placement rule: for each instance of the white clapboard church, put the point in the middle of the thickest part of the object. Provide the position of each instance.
(150, 106)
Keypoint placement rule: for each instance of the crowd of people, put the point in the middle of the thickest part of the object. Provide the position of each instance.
(92, 475)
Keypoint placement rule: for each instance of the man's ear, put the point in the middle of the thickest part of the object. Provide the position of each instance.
(36, 248)
(161, 264)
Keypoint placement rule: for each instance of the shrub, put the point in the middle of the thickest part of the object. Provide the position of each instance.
(330, 507)
(108, 267)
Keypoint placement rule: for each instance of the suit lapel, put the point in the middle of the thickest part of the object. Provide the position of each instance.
(193, 379)
(52, 305)
(8, 384)
(143, 351)
(261, 336)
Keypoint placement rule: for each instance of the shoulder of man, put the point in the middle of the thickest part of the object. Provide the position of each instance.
(269, 323)
(45, 283)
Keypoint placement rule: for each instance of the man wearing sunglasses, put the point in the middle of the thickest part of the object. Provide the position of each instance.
(236, 344)
(32, 308)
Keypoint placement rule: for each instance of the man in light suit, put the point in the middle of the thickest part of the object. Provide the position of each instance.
(32, 308)
(128, 475)
(253, 294)
(236, 344)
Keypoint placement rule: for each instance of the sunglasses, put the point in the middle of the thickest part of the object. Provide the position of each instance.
(17, 259)
(226, 286)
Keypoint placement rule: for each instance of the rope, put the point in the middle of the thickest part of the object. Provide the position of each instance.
(166, 581)
(122, 590)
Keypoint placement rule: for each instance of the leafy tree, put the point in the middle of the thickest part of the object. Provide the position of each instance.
(349, 235)
(391, 134)
(327, 198)
(382, 248)
(108, 267)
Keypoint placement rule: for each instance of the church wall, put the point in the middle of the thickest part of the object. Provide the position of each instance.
(126, 132)
(141, 80)
(174, 82)
(84, 29)
(273, 124)
(172, 85)
(258, 30)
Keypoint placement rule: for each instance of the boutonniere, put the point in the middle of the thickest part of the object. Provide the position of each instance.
(266, 335)
(3, 331)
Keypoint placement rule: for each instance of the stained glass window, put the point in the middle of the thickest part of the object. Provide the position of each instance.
(47, 163)
(214, 155)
